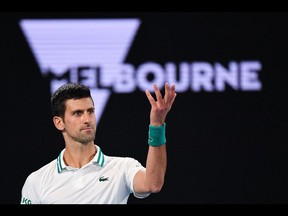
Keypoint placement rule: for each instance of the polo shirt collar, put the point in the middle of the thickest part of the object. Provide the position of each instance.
(99, 159)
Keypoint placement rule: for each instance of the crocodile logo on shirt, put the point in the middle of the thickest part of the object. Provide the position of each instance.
(102, 179)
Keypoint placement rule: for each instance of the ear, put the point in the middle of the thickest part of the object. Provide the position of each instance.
(58, 122)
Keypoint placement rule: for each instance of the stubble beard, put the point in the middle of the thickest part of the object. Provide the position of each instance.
(85, 138)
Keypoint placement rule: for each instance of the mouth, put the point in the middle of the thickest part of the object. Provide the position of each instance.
(87, 129)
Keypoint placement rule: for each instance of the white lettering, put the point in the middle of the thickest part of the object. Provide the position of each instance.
(249, 79)
(183, 83)
(88, 77)
(226, 76)
(124, 82)
(150, 68)
(202, 76)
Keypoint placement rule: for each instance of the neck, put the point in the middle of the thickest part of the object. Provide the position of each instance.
(78, 156)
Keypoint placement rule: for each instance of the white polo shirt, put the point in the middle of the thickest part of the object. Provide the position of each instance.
(104, 180)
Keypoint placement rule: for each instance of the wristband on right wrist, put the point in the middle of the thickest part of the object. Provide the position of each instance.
(156, 135)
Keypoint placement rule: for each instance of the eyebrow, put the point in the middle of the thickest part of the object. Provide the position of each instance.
(81, 110)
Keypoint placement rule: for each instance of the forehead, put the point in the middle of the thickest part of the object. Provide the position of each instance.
(79, 104)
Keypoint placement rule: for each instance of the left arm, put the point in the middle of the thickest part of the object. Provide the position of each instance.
(152, 179)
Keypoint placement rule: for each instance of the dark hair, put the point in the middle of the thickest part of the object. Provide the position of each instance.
(65, 92)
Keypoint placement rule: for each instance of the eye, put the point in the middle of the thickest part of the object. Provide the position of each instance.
(77, 113)
(91, 111)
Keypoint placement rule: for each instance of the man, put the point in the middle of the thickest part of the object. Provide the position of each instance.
(82, 173)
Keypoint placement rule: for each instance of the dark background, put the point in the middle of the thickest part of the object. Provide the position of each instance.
(223, 147)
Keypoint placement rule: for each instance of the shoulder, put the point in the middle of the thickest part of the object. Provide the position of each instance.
(42, 172)
(122, 161)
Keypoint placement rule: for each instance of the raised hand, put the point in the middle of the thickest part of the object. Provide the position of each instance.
(161, 106)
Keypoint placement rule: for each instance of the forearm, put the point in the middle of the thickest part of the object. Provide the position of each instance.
(156, 162)
(156, 167)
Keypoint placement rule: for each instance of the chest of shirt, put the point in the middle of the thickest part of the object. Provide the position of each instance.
(89, 185)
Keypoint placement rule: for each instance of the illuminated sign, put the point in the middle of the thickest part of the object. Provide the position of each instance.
(93, 52)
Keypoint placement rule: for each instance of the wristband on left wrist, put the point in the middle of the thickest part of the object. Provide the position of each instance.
(156, 135)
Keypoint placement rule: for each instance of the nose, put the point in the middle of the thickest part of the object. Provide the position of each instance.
(86, 117)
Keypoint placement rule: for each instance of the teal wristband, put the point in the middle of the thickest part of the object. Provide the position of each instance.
(156, 135)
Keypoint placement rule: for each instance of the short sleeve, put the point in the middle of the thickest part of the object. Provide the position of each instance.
(133, 167)
(29, 193)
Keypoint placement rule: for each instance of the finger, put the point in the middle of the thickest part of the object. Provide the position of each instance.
(171, 94)
(173, 99)
(172, 91)
(167, 91)
(150, 98)
(158, 94)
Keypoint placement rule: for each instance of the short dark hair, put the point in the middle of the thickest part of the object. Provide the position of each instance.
(65, 92)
